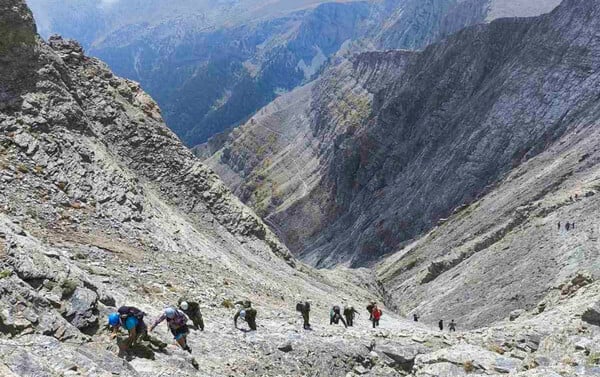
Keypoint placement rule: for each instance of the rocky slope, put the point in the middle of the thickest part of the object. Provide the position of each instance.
(391, 142)
(211, 66)
(101, 205)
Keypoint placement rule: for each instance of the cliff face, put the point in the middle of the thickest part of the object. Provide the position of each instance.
(399, 140)
(211, 66)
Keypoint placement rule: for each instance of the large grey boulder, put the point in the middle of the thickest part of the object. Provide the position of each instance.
(592, 314)
(82, 309)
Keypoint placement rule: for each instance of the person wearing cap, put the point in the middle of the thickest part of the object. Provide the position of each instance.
(192, 310)
(177, 322)
(130, 318)
(247, 314)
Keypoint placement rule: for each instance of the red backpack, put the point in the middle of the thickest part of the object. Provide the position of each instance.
(377, 314)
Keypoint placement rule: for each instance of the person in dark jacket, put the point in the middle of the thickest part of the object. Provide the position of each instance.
(349, 313)
(248, 315)
(452, 326)
(370, 309)
(441, 324)
(192, 310)
(177, 322)
(304, 309)
(335, 316)
(416, 317)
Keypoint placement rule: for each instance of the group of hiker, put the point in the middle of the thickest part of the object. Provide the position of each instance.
(568, 226)
(451, 326)
(131, 319)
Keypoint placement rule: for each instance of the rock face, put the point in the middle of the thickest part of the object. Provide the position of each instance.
(211, 66)
(387, 144)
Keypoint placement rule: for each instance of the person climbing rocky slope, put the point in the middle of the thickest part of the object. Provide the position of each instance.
(386, 144)
(101, 205)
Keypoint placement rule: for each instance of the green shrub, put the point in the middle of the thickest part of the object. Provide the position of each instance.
(68, 287)
(5, 273)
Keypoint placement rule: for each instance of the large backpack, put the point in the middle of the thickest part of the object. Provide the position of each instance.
(131, 311)
(300, 307)
(336, 309)
(250, 314)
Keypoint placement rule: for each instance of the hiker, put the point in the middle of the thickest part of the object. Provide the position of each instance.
(247, 314)
(452, 326)
(132, 319)
(559, 225)
(573, 225)
(370, 309)
(441, 325)
(376, 315)
(177, 322)
(304, 309)
(568, 226)
(192, 310)
(415, 317)
(335, 317)
(349, 312)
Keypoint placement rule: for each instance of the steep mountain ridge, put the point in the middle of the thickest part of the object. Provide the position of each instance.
(392, 160)
(210, 67)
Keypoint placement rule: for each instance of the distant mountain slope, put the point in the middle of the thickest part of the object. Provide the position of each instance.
(392, 142)
(212, 65)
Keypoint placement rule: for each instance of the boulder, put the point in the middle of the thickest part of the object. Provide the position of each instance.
(285, 347)
(516, 314)
(401, 357)
(82, 309)
(592, 314)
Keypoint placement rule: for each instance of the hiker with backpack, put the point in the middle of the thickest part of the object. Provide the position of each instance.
(376, 315)
(452, 326)
(247, 314)
(192, 310)
(349, 312)
(177, 323)
(335, 316)
(304, 309)
(130, 318)
(370, 309)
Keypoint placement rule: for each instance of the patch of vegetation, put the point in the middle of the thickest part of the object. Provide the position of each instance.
(5, 273)
(468, 366)
(38, 169)
(227, 304)
(68, 287)
(593, 359)
(79, 256)
(496, 348)
(23, 168)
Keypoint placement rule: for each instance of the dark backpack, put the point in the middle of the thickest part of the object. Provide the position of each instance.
(336, 309)
(131, 311)
(300, 307)
(250, 314)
